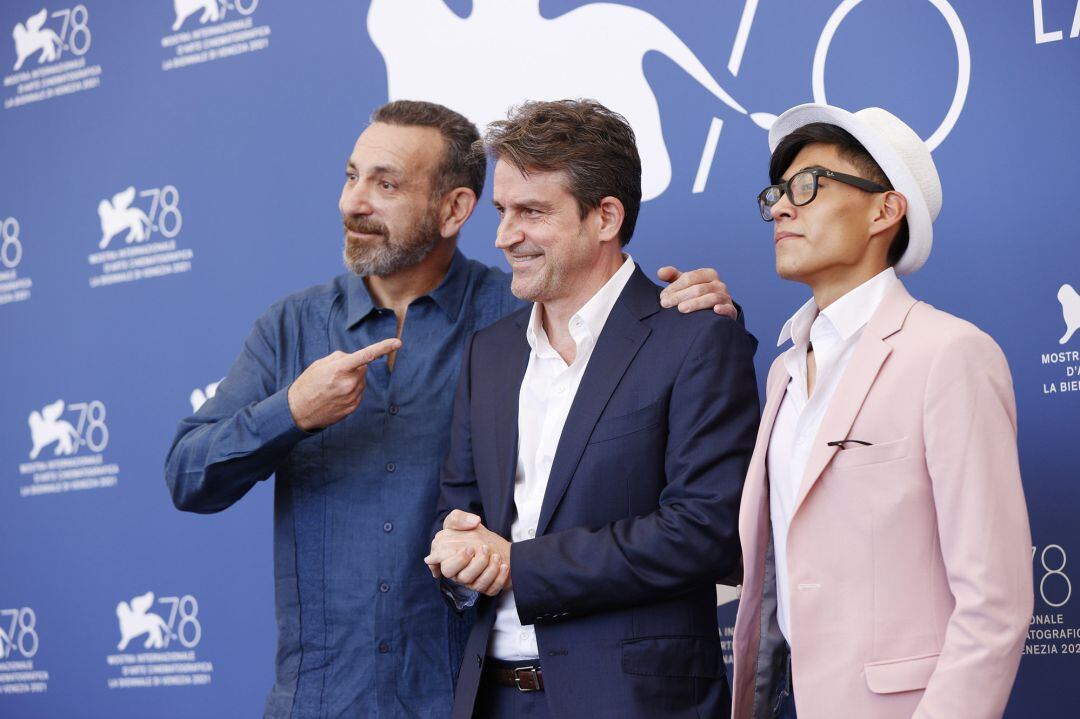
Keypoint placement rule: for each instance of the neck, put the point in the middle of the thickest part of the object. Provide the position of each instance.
(556, 313)
(828, 287)
(397, 291)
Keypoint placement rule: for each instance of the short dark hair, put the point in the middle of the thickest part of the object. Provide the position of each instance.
(460, 166)
(851, 150)
(593, 145)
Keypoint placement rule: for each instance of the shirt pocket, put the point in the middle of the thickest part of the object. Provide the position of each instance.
(630, 422)
(860, 456)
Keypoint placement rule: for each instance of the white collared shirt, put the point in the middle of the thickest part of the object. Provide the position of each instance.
(834, 332)
(547, 391)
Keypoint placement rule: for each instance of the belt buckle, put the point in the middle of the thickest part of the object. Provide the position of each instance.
(535, 679)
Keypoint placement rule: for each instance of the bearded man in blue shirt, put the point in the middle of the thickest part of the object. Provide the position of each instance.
(356, 441)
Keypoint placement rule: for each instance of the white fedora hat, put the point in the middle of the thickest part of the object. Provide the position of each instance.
(902, 155)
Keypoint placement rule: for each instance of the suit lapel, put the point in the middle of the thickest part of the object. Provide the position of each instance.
(618, 344)
(507, 384)
(776, 391)
(870, 354)
(755, 488)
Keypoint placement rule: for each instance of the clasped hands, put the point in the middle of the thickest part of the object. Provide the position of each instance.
(467, 552)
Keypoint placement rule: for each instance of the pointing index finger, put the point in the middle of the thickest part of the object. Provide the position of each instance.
(369, 354)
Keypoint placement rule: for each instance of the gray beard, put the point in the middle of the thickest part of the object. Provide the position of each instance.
(390, 257)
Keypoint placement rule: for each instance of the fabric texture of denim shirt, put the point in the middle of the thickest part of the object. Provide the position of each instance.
(362, 628)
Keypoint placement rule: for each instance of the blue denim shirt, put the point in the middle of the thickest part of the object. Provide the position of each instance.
(362, 628)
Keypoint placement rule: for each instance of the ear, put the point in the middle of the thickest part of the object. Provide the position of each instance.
(455, 208)
(610, 215)
(889, 210)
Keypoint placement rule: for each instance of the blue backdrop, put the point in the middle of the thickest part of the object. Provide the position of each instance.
(170, 168)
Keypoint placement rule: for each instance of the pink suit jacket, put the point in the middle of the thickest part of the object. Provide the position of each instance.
(909, 560)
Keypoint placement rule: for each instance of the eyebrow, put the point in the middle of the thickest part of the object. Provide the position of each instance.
(808, 167)
(378, 169)
(537, 204)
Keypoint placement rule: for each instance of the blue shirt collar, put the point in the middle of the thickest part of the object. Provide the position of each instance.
(448, 295)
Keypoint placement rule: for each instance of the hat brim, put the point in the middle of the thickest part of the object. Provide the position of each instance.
(920, 224)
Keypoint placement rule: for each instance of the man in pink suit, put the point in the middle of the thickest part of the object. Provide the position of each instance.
(886, 547)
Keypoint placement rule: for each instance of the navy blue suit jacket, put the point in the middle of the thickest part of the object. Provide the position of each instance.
(640, 516)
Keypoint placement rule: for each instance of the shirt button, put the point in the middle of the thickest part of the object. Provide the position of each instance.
(388, 526)
(384, 587)
(390, 466)
(532, 532)
(383, 647)
(393, 409)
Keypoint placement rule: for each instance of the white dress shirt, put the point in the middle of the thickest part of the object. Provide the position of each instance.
(547, 391)
(833, 332)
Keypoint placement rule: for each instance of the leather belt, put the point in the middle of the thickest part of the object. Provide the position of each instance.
(525, 679)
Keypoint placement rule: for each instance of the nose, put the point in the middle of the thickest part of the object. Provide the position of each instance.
(783, 208)
(355, 199)
(507, 234)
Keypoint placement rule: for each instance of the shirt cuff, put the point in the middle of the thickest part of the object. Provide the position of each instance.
(462, 597)
(275, 421)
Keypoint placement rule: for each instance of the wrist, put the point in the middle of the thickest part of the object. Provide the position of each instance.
(298, 420)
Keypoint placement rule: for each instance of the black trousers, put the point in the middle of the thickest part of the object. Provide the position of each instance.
(785, 699)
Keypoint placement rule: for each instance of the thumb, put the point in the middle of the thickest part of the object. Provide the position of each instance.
(461, 520)
(369, 354)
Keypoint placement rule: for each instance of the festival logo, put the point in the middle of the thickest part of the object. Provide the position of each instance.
(136, 619)
(13, 288)
(158, 648)
(19, 644)
(136, 216)
(199, 395)
(595, 50)
(186, 8)
(59, 433)
(1054, 630)
(47, 428)
(1061, 367)
(221, 29)
(118, 215)
(33, 37)
(1070, 311)
(50, 56)
(1042, 35)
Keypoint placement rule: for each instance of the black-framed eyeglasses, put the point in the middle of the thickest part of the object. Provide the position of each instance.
(802, 188)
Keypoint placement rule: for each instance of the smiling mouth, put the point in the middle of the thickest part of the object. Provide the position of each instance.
(523, 260)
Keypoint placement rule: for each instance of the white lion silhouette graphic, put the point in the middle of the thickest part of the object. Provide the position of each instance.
(593, 51)
(1070, 311)
(46, 427)
(119, 215)
(31, 37)
(137, 619)
(186, 8)
(199, 396)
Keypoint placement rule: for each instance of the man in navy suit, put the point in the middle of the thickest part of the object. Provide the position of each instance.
(599, 444)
